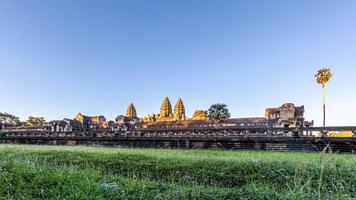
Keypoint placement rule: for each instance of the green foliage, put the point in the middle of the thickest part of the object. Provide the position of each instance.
(323, 75)
(50, 172)
(218, 113)
(35, 121)
(2, 133)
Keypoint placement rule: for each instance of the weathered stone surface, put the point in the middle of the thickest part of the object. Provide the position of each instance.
(131, 111)
(286, 115)
(165, 114)
(149, 118)
(179, 111)
(200, 115)
(166, 108)
(90, 121)
(8, 120)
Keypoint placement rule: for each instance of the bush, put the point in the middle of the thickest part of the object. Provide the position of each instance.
(2, 134)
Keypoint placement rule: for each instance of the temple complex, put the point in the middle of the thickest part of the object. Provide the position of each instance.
(166, 114)
(287, 115)
(131, 111)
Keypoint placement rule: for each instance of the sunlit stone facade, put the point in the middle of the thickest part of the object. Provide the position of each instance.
(166, 114)
(8, 120)
(179, 111)
(286, 115)
(200, 115)
(131, 111)
(90, 120)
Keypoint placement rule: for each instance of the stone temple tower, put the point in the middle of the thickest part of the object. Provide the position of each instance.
(179, 111)
(166, 108)
(131, 111)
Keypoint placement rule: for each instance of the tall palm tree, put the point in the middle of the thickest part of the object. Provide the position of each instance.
(322, 77)
(218, 113)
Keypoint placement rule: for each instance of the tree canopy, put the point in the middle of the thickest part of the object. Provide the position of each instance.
(35, 121)
(218, 113)
(323, 76)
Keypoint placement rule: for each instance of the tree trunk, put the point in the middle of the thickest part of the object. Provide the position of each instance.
(323, 105)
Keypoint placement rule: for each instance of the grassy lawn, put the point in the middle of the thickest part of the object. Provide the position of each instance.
(62, 172)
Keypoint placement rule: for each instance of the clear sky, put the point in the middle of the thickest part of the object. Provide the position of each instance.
(61, 57)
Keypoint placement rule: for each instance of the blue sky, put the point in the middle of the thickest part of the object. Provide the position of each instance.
(61, 57)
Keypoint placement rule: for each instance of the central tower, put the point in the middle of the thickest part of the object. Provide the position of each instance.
(131, 111)
(166, 108)
(179, 111)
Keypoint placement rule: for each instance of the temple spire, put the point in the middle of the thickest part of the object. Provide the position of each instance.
(179, 111)
(166, 108)
(131, 111)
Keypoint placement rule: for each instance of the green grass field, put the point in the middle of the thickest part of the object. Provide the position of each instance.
(62, 172)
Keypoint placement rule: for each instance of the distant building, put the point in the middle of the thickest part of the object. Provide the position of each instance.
(131, 111)
(166, 114)
(179, 111)
(107, 124)
(90, 121)
(8, 120)
(125, 123)
(65, 125)
(286, 115)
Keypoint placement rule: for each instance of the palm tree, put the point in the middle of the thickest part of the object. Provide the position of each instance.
(322, 77)
(218, 113)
